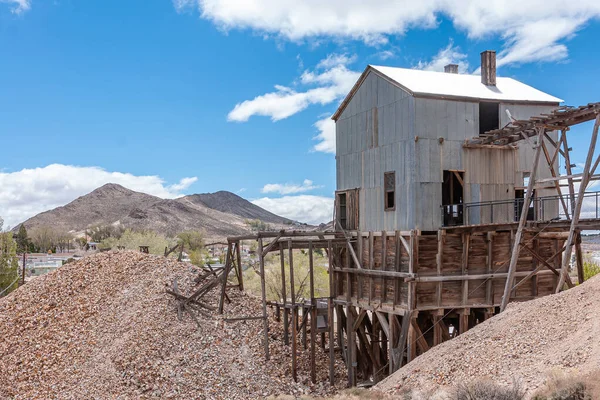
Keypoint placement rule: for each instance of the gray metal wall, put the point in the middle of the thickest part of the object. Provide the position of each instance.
(361, 165)
(419, 138)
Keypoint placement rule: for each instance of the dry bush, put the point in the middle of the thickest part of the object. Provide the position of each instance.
(561, 386)
(488, 390)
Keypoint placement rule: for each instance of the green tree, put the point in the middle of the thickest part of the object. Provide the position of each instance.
(22, 240)
(9, 265)
(191, 240)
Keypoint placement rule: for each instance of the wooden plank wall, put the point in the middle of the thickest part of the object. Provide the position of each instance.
(451, 270)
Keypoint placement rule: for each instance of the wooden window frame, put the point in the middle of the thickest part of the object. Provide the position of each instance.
(386, 191)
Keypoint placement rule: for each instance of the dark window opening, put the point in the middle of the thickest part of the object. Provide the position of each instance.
(489, 117)
(390, 190)
(452, 197)
(519, 200)
(343, 213)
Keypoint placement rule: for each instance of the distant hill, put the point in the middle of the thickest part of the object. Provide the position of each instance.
(218, 214)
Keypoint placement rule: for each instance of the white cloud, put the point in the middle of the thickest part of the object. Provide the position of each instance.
(18, 6)
(332, 78)
(448, 55)
(28, 192)
(290, 188)
(531, 29)
(333, 60)
(304, 208)
(385, 55)
(326, 136)
(183, 184)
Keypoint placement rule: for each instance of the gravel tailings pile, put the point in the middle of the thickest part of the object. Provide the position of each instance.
(526, 342)
(104, 328)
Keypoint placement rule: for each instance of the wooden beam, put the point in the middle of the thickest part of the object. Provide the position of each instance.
(516, 245)
(420, 340)
(554, 174)
(313, 316)
(294, 312)
(577, 210)
(579, 258)
(544, 263)
(263, 289)
(270, 246)
(286, 338)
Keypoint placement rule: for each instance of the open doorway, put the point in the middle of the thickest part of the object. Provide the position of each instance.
(489, 116)
(452, 197)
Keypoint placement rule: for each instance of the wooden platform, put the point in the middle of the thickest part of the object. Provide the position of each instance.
(394, 295)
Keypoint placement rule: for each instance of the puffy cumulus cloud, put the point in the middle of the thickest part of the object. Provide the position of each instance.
(290, 188)
(531, 29)
(28, 192)
(326, 136)
(18, 6)
(328, 82)
(448, 55)
(304, 208)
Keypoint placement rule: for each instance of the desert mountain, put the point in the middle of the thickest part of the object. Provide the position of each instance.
(218, 214)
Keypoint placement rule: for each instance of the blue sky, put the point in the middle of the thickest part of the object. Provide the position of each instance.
(179, 97)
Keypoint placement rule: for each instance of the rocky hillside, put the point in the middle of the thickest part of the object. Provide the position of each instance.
(218, 214)
(527, 343)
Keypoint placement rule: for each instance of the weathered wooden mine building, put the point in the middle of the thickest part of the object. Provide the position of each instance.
(400, 151)
(449, 204)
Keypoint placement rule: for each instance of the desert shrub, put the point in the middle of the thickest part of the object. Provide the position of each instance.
(568, 387)
(301, 277)
(488, 390)
(590, 268)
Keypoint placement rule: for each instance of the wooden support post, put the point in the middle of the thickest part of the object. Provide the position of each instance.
(579, 258)
(419, 338)
(376, 347)
(331, 342)
(397, 260)
(578, 204)
(286, 338)
(263, 289)
(239, 265)
(294, 311)
(489, 294)
(383, 265)
(359, 242)
(225, 274)
(305, 314)
(341, 322)
(567, 157)
(371, 263)
(313, 315)
(439, 260)
(465, 267)
(351, 337)
(517, 242)
(550, 162)
(330, 315)
(463, 320)
(438, 336)
(392, 336)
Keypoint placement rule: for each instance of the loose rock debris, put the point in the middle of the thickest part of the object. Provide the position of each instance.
(105, 328)
(526, 343)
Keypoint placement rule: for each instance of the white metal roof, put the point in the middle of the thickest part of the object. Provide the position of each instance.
(463, 85)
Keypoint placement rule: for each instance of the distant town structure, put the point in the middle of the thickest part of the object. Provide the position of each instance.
(400, 153)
